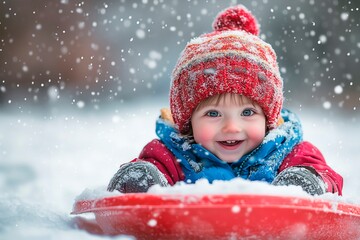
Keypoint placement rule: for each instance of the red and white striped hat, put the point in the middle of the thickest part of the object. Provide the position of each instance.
(231, 59)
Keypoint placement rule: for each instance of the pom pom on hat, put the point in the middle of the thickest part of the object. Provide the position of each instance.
(236, 18)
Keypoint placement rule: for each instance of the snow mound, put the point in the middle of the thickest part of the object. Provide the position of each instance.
(234, 186)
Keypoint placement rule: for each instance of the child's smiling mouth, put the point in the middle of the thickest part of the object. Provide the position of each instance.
(230, 144)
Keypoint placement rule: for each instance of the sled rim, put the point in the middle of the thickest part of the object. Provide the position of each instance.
(144, 200)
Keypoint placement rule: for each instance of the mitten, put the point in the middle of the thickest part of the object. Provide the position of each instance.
(305, 177)
(136, 177)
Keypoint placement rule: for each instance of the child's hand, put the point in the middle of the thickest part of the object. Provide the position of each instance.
(136, 177)
(305, 177)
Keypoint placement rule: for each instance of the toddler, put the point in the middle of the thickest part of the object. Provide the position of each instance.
(227, 119)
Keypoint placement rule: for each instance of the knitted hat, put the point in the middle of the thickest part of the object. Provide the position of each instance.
(231, 59)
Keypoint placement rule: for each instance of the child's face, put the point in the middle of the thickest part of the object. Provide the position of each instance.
(229, 127)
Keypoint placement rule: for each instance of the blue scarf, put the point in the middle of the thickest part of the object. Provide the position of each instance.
(260, 164)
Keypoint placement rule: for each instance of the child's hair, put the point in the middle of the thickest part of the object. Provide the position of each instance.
(217, 99)
(231, 59)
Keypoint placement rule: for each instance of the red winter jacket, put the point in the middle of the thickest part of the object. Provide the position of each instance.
(304, 154)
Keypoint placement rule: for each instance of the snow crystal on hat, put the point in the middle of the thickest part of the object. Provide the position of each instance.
(231, 59)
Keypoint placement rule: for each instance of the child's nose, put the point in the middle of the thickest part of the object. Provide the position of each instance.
(231, 125)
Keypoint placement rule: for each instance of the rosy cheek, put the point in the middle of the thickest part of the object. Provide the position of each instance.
(203, 133)
(256, 134)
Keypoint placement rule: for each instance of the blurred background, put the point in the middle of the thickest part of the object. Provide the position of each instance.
(91, 55)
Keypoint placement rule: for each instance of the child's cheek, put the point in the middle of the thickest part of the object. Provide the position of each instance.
(256, 134)
(203, 133)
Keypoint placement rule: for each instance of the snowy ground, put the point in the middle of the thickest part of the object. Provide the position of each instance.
(47, 161)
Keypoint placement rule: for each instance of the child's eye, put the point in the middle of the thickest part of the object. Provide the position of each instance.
(212, 113)
(247, 112)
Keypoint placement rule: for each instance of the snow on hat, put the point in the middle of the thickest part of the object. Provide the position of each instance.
(231, 59)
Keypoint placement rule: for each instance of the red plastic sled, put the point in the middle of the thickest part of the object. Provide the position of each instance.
(220, 216)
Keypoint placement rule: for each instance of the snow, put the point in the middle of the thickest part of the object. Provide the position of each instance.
(234, 186)
(49, 161)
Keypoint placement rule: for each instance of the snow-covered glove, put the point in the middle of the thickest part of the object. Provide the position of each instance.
(305, 177)
(136, 177)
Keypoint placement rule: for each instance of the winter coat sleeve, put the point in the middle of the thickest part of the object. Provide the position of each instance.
(307, 155)
(158, 154)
